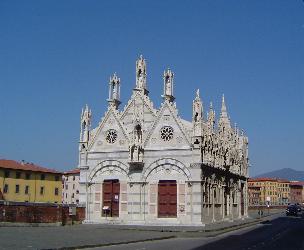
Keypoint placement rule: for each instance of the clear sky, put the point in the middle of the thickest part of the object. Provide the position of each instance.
(56, 56)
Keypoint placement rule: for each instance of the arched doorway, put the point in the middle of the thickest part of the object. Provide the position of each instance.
(167, 199)
(110, 197)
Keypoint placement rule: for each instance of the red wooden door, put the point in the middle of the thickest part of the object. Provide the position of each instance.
(110, 196)
(167, 199)
(115, 199)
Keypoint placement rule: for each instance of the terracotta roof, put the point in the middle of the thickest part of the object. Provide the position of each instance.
(297, 183)
(73, 171)
(283, 180)
(262, 179)
(268, 179)
(11, 164)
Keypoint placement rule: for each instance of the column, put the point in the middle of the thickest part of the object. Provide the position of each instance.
(213, 203)
(223, 201)
(246, 199)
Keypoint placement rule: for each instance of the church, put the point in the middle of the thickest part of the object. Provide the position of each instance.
(143, 165)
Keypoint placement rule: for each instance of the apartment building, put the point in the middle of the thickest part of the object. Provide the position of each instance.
(272, 191)
(283, 187)
(27, 182)
(70, 187)
(254, 194)
(297, 192)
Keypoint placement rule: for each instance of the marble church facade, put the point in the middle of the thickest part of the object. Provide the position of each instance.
(143, 165)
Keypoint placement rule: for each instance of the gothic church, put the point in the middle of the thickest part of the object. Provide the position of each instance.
(143, 165)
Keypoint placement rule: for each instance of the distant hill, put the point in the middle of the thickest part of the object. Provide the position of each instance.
(285, 173)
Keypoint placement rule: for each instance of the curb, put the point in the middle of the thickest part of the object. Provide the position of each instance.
(25, 224)
(109, 244)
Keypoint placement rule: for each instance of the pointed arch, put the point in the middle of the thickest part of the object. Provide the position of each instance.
(165, 162)
(110, 165)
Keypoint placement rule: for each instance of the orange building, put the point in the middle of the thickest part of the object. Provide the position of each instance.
(272, 190)
(254, 195)
(283, 191)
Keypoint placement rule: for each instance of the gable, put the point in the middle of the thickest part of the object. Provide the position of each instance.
(110, 135)
(167, 130)
(138, 108)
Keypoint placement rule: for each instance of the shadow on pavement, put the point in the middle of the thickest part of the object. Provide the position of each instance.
(281, 233)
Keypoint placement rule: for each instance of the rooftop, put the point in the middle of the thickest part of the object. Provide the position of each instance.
(297, 183)
(268, 179)
(11, 164)
(73, 171)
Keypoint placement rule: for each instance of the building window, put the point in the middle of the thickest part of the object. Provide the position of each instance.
(77, 201)
(77, 191)
(56, 191)
(111, 136)
(66, 195)
(17, 189)
(73, 186)
(6, 173)
(41, 190)
(56, 177)
(42, 177)
(5, 190)
(166, 133)
(27, 176)
(26, 191)
(74, 178)
(18, 174)
(66, 187)
(72, 195)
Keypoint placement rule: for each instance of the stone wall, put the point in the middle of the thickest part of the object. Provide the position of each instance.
(21, 212)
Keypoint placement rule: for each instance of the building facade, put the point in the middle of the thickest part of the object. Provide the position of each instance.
(297, 192)
(148, 165)
(70, 187)
(273, 191)
(254, 195)
(26, 182)
(283, 192)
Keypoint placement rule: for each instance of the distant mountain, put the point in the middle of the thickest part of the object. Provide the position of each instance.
(285, 173)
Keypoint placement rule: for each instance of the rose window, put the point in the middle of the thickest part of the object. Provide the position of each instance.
(166, 133)
(111, 136)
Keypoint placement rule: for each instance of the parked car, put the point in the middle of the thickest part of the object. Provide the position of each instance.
(298, 207)
(292, 210)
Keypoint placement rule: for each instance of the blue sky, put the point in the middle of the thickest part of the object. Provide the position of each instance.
(56, 56)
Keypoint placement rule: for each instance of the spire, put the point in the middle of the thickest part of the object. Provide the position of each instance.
(197, 108)
(85, 125)
(211, 117)
(168, 85)
(224, 120)
(141, 75)
(223, 109)
(114, 91)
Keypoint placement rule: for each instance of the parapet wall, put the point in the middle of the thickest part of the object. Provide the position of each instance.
(22, 212)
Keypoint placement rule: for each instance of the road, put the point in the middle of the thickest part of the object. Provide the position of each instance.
(282, 233)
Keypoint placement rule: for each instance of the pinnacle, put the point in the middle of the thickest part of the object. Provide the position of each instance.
(211, 106)
(197, 93)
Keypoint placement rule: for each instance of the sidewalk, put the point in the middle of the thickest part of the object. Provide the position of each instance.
(96, 235)
(217, 226)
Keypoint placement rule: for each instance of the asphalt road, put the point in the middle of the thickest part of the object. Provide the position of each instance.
(282, 233)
